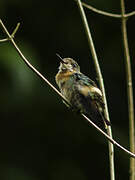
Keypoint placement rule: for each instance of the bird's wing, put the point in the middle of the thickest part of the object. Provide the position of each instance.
(89, 88)
(83, 79)
(92, 95)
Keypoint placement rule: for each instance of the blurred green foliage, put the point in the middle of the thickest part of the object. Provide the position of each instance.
(40, 138)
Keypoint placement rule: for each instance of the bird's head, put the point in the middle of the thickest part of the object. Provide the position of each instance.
(68, 65)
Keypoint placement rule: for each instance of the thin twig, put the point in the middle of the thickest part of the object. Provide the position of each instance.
(108, 137)
(42, 77)
(15, 30)
(107, 13)
(130, 14)
(101, 83)
(4, 40)
(129, 91)
(13, 33)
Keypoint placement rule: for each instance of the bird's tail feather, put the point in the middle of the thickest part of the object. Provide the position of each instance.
(99, 120)
(108, 123)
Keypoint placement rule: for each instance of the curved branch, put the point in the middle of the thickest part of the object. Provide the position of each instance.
(42, 77)
(107, 13)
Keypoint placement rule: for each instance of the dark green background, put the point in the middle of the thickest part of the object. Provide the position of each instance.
(39, 137)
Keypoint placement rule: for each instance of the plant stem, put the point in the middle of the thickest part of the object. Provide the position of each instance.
(129, 91)
(101, 83)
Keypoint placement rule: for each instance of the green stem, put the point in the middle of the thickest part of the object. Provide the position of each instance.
(129, 91)
(101, 83)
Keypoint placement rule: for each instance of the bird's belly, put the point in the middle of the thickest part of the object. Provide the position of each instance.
(73, 97)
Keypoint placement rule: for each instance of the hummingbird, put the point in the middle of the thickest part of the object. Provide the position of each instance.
(81, 92)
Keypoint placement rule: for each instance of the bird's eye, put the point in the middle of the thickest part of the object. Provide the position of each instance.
(74, 65)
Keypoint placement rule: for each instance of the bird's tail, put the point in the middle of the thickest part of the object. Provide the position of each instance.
(106, 121)
(99, 119)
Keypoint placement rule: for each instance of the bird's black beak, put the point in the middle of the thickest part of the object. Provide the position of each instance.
(60, 58)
